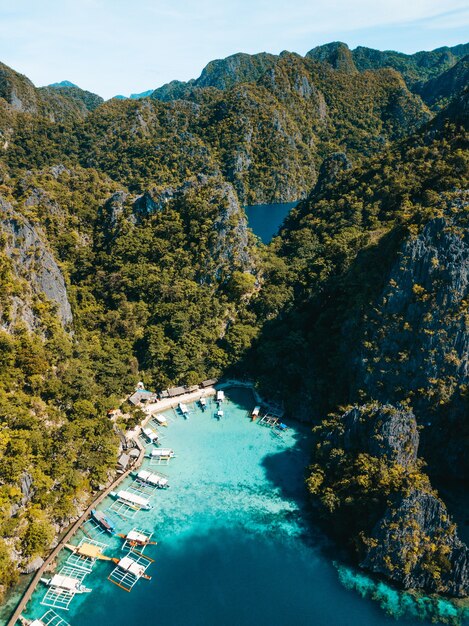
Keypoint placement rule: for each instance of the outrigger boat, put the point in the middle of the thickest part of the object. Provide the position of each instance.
(255, 413)
(132, 499)
(136, 538)
(155, 480)
(220, 396)
(67, 583)
(161, 419)
(220, 414)
(184, 409)
(163, 453)
(203, 403)
(88, 551)
(48, 619)
(102, 520)
(127, 564)
(151, 435)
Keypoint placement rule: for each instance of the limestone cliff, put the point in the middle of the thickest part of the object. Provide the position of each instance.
(416, 344)
(32, 261)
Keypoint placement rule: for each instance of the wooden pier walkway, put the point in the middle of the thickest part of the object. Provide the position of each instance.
(69, 534)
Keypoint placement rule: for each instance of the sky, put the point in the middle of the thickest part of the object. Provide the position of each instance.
(115, 47)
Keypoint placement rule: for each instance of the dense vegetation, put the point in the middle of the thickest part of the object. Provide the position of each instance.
(138, 202)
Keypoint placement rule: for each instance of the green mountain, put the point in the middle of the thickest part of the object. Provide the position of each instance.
(415, 68)
(365, 312)
(63, 83)
(125, 255)
(57, 103)
(441, 90)
(266, 137)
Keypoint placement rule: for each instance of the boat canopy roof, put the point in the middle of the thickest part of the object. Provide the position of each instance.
(90, 551)
(134, 535)
(132, 497)
(64, 582)
(150, 434)
(129, 565)
(220, 395)
(162, 452)
(153, 479)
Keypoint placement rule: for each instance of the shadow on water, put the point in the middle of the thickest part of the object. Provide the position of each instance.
(234, 578)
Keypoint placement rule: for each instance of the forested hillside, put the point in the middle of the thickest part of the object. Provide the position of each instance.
(365, 302)
(125, 255)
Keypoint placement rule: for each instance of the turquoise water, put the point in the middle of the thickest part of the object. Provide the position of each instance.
(266, 219)
(235, 547)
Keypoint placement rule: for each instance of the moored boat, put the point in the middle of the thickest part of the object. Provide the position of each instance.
(255, 412)
(151, 435)
(152, 479)
(66, 583)
(137, 538)
(184, 409)
(132, 499)
(103, 520)
(127, 564)
(166, 453)
(161, 419)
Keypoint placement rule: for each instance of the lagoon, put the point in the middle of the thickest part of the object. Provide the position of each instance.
(266, 219)
(235, 541)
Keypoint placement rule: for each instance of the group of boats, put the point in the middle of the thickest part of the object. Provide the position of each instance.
(131, 567)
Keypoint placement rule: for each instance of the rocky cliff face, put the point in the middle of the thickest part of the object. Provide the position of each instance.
(331, 167)
(416, 544)
(416, 343)
(374, 480)
(379, 430)
(34, 263)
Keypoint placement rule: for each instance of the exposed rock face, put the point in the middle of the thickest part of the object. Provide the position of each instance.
(33, 566)
(330, 169)
(17, 90)
(223, 73)
(337, 54)
(416, 340)
(33, 261)
(113, 209)
(144, 206)
(232, 242)
(380, 431)
(408, 534)
(416, 544)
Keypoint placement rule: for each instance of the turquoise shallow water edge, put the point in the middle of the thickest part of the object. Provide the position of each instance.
(235, 544)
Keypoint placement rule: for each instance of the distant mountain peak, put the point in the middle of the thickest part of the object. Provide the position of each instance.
(63, 83)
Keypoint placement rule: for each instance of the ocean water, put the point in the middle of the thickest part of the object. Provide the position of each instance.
(266, 219)
(235, 545)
